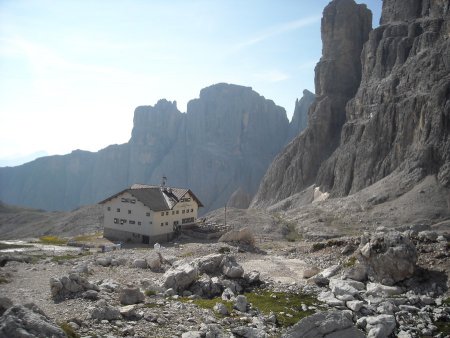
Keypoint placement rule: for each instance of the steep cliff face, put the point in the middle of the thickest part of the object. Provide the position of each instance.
(345, 28)
(300, 118)
(226, 140)
(400, 116)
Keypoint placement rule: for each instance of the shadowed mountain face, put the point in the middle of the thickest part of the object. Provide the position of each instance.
(345, 28)
(224, 142)
(389, 112)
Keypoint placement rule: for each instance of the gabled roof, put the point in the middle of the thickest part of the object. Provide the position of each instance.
(156, 198)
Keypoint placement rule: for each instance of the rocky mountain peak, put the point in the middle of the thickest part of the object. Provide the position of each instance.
(410, 10)
(300, 117)
(345, 28)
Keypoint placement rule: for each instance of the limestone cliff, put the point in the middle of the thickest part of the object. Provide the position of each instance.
(226, 140)
(345, 29)
(300, 118)
(400, 116)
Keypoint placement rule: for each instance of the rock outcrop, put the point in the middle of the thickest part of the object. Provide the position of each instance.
(400, 116)
(345, 28)
(239, 199)
(28, 321)
(226, 140)
(300, 118)
(388, 258)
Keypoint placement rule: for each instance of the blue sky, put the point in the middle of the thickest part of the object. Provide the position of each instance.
(72, 71)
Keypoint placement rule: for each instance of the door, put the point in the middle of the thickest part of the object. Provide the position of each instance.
(145, 239)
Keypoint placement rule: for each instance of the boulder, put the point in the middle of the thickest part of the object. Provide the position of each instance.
(180, 277)
(231, 268)
(228, 294)
(354, 305)
(376, 289)
(5, 304)
(388, 257)
(128, 311)
(103, 261)
(70, 286)
(244, 235)
(206, 287)
(90, 294)
(221, 309)
(380, 326)
(345, 287)
(140, 263)
(209, 264)
(131, 295)
(324, 324)
(104, 311)
(240, 303)
(252, 277)
(23, 321)
(154, 261)
(310, 271)
(249, 332)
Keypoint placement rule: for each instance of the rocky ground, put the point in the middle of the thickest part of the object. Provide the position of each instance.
(262, 289)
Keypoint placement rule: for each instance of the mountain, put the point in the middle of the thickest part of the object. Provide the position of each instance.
(300, 117)
(225, 141)
(345, 29)
(382, 114)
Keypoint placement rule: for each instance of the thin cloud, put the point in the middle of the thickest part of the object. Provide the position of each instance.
(279, 29)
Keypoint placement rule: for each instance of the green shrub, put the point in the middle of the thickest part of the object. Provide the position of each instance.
(53, 240)
(70, 332)
(351, 261)
(286, 306)
(318, 246)
(150, 293)
(224, 249)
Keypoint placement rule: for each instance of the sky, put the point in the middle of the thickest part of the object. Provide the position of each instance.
(73, 71)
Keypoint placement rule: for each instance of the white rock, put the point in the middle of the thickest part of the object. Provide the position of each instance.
(354, 305)
(241, 303)
(380, 326)
(377, 289)
(329, 298)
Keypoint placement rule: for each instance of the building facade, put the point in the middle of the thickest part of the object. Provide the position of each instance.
(148, 214)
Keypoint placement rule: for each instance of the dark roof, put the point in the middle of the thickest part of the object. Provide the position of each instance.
(156, 198)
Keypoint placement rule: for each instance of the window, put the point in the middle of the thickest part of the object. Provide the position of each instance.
(192, 210)
(109, 208)
(175, 222)
(122, 221)
(162, 224)
(131, 222)
(139, 223)
(178, 211)
(167, 223)
(162, 214)
(183, 211)
(147, 214)
(116, 220)
(118, 209)
(173, 212)
(150, 222)
(129, 212)
(187, 211)
(167, 213)
(133, 201)
(187, 220)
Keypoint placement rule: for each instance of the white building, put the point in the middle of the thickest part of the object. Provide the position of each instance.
(148, 214)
